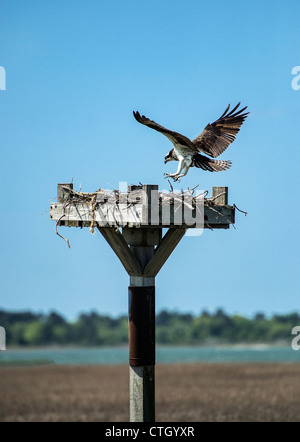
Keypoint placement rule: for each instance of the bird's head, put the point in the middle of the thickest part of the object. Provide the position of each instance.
(170, 156)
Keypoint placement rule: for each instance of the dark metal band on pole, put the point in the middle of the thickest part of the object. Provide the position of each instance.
(142, 350)
(141, 326)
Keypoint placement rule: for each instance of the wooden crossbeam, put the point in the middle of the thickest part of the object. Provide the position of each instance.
(163, 251)
(134, 265)
(79, 215)
(120, 247)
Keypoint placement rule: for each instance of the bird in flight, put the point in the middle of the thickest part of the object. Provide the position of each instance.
(212, 141)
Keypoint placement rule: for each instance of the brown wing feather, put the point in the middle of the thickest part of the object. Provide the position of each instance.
(216, 137)
(208, 164)
(174, 137)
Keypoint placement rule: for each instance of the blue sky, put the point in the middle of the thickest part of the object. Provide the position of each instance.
(75, 71)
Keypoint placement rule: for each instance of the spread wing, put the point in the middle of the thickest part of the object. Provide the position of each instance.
(217, 136)
(174, 137)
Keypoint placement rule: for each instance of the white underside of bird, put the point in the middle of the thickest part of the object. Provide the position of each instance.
(185, 161)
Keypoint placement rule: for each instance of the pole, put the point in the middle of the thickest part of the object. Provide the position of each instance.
(142, 349)
(142, 317)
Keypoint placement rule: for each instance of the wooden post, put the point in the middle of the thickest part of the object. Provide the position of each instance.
(62, 192)
(220, 195)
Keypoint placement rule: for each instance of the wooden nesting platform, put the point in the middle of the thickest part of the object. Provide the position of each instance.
(132, 224)
(142, 207)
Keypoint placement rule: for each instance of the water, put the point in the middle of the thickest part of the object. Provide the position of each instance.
(164, 355)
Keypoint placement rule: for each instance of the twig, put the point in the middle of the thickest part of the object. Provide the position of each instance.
(206, 224)
(81, 194)
(172, 190)
(203, 194)
(67, 240)
(192, 190)
(215, 197)
(93, 205)
(246, 213)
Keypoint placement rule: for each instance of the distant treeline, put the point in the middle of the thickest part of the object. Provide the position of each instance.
(30, 329)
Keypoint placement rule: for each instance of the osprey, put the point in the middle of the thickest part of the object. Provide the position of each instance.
(212, 141)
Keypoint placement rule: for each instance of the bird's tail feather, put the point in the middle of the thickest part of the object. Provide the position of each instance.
(209, 164)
